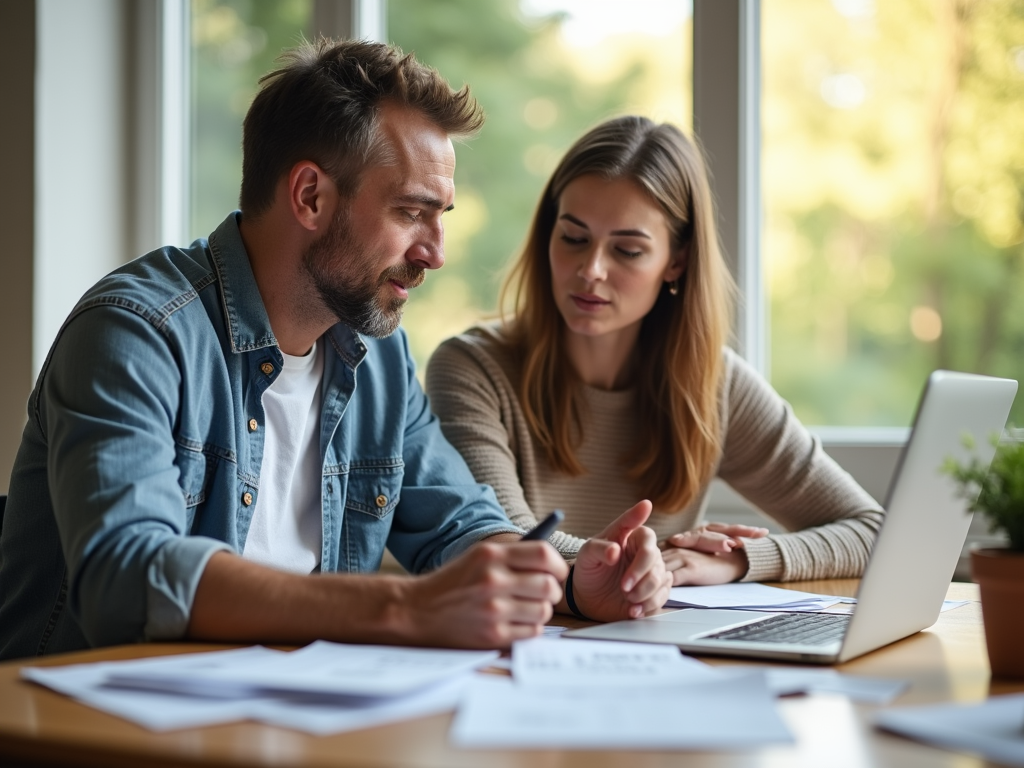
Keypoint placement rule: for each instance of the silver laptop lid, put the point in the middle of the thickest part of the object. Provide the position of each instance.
(926, 522)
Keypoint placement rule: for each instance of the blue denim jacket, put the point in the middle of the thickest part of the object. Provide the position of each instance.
(140, 461)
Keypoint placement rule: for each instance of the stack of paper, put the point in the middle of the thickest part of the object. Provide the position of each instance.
(993, 729)
(586, 694)
(751, 597)
(564, 693)
(323, 688)
(759, 597)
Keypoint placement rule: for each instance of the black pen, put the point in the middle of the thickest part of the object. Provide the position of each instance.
(545, 527)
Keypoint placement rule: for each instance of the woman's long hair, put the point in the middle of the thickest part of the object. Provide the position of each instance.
(681, 338)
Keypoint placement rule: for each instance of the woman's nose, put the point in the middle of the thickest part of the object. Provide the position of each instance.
(592, 267)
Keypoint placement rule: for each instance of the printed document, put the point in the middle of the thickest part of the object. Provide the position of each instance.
(496, 713)
(332, 669)
(564, 663)
(993, 729)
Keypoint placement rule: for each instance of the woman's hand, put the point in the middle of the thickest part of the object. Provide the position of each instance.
(711, 554)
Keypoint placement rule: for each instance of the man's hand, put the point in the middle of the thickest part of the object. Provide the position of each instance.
(620, 574)
(490, 596)
(711, 554)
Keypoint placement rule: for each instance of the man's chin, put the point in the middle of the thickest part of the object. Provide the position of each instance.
(382, 325)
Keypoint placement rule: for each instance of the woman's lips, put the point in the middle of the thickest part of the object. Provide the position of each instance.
(588, 302)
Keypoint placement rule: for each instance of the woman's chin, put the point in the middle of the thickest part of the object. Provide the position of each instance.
(585, 326)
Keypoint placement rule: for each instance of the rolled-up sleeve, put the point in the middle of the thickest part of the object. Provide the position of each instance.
(109, 401)
(443, 510)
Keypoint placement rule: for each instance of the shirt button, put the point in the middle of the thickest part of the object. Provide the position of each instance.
(382, 501)
(247, 498)
(267, 368)
(253, 425)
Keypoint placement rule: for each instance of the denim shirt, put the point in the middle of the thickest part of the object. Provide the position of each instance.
(142, 454)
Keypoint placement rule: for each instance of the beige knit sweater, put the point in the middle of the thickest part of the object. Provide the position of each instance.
(768, 457)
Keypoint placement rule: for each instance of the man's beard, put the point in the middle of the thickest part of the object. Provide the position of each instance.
(351, 292)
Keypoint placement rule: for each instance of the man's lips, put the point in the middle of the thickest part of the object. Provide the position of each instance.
(403, 286)
(400, 289)
(588, 301)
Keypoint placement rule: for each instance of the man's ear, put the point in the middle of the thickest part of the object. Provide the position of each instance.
(312, 195)
(677, 266)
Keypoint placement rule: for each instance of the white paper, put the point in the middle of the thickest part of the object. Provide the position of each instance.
(789, 681)
(993, 729)
(157, 711)
(949, 605)
(328, 716)
(867, 690)
(164, 710)
(326, 668)
(847, 604)
(731, 714)
(565, 662)
(549, 630)
(749, 596)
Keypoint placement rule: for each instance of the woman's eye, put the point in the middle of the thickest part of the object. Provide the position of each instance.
(573, 240)
(629, 254)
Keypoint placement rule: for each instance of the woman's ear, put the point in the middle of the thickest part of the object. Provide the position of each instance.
(677, 266)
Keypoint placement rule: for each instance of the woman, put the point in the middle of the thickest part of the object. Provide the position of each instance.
(612, 381)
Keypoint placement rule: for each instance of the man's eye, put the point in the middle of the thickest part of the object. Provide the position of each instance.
(413, 214)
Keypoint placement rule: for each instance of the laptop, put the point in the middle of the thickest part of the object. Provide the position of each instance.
(911, 563)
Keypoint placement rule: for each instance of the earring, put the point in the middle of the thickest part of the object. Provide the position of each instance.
(673, 287)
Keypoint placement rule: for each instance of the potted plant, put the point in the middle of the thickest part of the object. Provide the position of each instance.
(997, 492)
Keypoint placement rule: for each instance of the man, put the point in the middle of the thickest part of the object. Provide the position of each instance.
(223, 438)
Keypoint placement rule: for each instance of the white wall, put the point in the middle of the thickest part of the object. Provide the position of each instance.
(81, 159)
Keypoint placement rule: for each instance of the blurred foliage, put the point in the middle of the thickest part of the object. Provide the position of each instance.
(234, 43)
(893, 187)
(892, 164)
(540, 94)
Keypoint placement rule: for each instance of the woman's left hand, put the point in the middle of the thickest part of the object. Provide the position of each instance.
(711, 554)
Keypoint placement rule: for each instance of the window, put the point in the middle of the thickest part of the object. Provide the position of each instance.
(544, 70)
(894, 198)
(234, 43)
(892, 172)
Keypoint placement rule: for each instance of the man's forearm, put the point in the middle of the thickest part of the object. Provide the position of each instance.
(237, 600)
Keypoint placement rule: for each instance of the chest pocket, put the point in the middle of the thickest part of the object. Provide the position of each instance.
(193, 471)
(375, 489)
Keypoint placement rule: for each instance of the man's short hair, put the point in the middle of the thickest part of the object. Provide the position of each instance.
(323, 105)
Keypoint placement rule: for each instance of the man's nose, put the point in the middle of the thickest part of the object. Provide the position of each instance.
(428, 251)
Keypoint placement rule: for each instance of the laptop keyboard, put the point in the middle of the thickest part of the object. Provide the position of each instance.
(802, 628)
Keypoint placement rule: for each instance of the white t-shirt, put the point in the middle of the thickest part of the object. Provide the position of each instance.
(286, 531)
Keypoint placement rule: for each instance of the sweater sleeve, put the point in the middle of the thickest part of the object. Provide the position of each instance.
(779, 466)
(479, 412)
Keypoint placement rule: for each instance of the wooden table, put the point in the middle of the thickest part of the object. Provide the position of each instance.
(944, 663)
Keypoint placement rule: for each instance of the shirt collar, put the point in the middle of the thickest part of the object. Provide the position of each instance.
(244, 311)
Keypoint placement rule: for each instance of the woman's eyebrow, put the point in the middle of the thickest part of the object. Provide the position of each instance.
(618, 232)
(574, 220)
